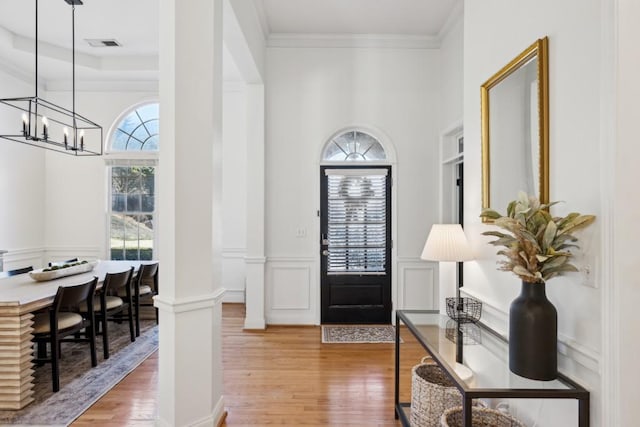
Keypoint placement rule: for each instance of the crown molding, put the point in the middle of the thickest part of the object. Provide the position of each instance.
(262, 18)
(390, 41)
(103, 86)
(456, 14)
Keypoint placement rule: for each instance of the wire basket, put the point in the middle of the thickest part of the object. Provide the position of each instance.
(482, 417)
(469, 332)
(464, 309)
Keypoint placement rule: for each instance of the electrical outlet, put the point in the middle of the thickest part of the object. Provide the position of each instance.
(587, 274)
(301, 232)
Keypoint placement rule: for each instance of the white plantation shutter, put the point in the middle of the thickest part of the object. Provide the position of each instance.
(357, 217)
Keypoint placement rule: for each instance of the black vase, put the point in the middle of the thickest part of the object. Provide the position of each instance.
(533, 334)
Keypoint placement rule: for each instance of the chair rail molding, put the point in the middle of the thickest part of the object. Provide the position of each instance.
(570, 350)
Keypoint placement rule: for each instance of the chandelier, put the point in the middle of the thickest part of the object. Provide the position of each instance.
(50, 126)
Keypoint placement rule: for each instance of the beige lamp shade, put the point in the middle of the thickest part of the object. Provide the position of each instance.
(446, 242)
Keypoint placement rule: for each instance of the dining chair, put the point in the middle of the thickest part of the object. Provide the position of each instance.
(16, 271)
(145, 287)
(62, 319)
(111, 307)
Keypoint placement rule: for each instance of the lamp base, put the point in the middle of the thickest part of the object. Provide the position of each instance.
(464, 373)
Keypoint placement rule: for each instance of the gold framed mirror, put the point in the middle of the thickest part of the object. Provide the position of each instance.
(515, 129)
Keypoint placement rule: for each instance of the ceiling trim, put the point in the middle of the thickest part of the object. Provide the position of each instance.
(103, 86)
(393, 41)
(108, 63)
(457, 13)
(262, 17)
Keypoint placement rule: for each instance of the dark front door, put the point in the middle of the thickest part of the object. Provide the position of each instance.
(355, 244)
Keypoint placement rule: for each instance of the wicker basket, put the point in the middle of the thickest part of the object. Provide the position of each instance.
(432, 392)
(482, 417)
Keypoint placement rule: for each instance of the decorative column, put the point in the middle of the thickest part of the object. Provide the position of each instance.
(255, 258)
(190, 368)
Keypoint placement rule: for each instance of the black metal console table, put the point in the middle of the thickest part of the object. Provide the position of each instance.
(488, 360)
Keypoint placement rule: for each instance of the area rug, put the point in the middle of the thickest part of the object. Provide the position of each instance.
(345, 334)
(81, 385)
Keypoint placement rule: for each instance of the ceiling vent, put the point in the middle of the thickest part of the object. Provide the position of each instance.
(103, 42)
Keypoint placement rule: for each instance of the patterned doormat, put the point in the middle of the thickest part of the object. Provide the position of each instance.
(347, 334)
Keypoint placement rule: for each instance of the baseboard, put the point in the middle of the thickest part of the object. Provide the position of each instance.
(254, 323)
(215, 419)
(233, 296)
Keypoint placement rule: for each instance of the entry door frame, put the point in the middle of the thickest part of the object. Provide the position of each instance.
(394, 226)
(390, 266)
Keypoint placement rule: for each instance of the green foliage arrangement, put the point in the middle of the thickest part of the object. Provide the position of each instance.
(537, 245)
(59, 267)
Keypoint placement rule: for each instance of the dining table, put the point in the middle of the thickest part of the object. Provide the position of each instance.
(20, 297)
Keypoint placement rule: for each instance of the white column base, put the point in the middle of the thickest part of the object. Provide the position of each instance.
(254, 300)
(190, 360)
(213, 420)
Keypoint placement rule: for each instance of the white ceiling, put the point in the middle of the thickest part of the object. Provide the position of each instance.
(135, 25)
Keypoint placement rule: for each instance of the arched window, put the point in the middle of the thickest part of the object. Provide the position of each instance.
(137, 130)
(132, 186)
(353, 146)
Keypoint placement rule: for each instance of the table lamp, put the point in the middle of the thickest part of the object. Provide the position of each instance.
(447, 243)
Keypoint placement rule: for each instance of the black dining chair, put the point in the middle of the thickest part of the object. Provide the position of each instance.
(145, 287)
(63, 319)
(110, 307)
(16, 271)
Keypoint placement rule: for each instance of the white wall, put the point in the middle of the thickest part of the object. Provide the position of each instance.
(625, 208)
(76, 187)
(313, 93)
(22, 176)
(495, 31)
(451, 66)
(234, 183)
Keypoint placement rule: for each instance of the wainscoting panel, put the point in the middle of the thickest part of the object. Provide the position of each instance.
(291, 291)
(20, 258)
(417, 285)
(61, 253)
(234, 274)
(572, 356)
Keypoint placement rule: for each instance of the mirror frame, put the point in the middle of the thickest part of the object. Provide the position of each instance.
(539, 49)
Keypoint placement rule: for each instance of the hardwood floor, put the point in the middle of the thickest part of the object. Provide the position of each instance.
(283, 375)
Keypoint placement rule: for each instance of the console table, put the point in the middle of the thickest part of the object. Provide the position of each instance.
(486, 353)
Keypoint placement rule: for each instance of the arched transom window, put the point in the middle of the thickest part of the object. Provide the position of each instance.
(138, 130)
(353, 146)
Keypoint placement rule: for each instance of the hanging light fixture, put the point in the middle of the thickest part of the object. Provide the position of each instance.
(50, 126)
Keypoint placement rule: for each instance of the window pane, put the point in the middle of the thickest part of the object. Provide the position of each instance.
(132, 192)
(118, 202)
(141, 134)
(133, 202)
(147, 203)
(138, 130)
(354, 146)
(149, 111)
(117, 237)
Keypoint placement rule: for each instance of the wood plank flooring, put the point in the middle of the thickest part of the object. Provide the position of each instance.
(283, 375)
